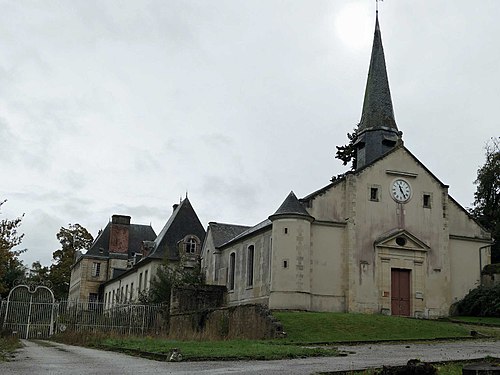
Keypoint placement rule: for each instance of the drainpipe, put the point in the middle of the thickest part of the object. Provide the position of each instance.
(480, 257)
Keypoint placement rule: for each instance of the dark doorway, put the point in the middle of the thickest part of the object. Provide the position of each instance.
(400, 292)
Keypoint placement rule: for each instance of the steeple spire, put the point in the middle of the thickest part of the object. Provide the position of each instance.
(377, 130)
(377, 106)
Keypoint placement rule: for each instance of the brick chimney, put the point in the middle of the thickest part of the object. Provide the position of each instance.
(118, 237)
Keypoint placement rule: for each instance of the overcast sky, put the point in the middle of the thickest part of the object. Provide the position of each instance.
(120, 107)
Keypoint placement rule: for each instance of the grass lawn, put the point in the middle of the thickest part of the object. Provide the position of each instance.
(230, 350)
(315, 327)
(302, 328)
(7, 346)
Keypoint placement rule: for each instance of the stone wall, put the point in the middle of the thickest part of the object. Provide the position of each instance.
(192, 298)
(235, 322)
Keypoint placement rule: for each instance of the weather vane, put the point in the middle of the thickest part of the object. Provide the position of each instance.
(376, 4)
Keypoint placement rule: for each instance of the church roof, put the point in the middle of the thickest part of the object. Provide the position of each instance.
(181, 223)
(257, 228)
(377, 106)
(290, 206)
(222, 233)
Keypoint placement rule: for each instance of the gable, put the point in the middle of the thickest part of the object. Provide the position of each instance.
(401, 239)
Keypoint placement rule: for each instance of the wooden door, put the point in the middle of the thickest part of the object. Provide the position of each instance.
(400, 292)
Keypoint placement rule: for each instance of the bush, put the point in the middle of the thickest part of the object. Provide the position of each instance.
(482, 301)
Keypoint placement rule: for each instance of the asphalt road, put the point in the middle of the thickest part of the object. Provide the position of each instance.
(53, 358)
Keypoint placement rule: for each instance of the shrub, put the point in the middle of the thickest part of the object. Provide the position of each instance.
(482, 301)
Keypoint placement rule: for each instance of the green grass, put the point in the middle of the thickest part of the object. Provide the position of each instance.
(314, 327)
(227, 350)
(302, 328)
(7, 347)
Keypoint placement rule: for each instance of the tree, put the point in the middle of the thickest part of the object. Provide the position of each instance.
(11, 267)
(486, 208)
(347, 153)
(167, 277)
(72, 239)
(38, 273)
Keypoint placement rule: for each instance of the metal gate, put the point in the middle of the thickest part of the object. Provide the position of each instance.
(29, 311)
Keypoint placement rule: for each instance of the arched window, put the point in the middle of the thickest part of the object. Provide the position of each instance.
(232, 264)
(250, 257)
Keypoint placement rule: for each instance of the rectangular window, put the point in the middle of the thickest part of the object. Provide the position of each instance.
(145, 279)
(426, 200)
(96, 269)
(113, 300)
(126, 293)
(140, 282)
(285, 264)
(131, 291)
(286, 230)
(250, 257)
(374, 194)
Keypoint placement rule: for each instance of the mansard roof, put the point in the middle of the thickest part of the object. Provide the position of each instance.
(181, 223)
(377, 106)
(222, 233)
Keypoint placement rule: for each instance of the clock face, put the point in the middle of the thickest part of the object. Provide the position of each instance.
(401, 190)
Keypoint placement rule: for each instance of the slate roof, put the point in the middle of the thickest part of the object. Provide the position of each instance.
(137, 234)
(377, 106)
(290, 206)
(222, 233)
(181, 223)
(261, 226)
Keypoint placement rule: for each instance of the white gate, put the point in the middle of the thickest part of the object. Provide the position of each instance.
(29, 311)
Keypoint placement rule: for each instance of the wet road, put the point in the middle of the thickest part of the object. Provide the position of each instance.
(53, 358)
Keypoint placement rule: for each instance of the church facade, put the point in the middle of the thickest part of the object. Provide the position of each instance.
(385, 237)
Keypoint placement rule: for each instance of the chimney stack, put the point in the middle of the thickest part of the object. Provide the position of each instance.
(119, 234)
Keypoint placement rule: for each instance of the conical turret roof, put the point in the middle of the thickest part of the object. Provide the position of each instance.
(291, 207)
(377, 106)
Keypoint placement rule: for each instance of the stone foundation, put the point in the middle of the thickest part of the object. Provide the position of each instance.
(236, 322)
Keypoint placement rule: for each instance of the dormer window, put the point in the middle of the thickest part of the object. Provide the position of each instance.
(191, 246)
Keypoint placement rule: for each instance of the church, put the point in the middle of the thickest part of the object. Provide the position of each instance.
(385, 237)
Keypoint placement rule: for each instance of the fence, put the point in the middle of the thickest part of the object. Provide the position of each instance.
(31, 319)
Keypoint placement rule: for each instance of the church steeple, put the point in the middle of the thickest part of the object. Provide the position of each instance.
(377, 130)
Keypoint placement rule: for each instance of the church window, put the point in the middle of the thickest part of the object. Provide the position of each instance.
(426, 200)
(285, 263)
(285, 230)
(250, 264)
(401, 241)
(232, 264)
(96, 269)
